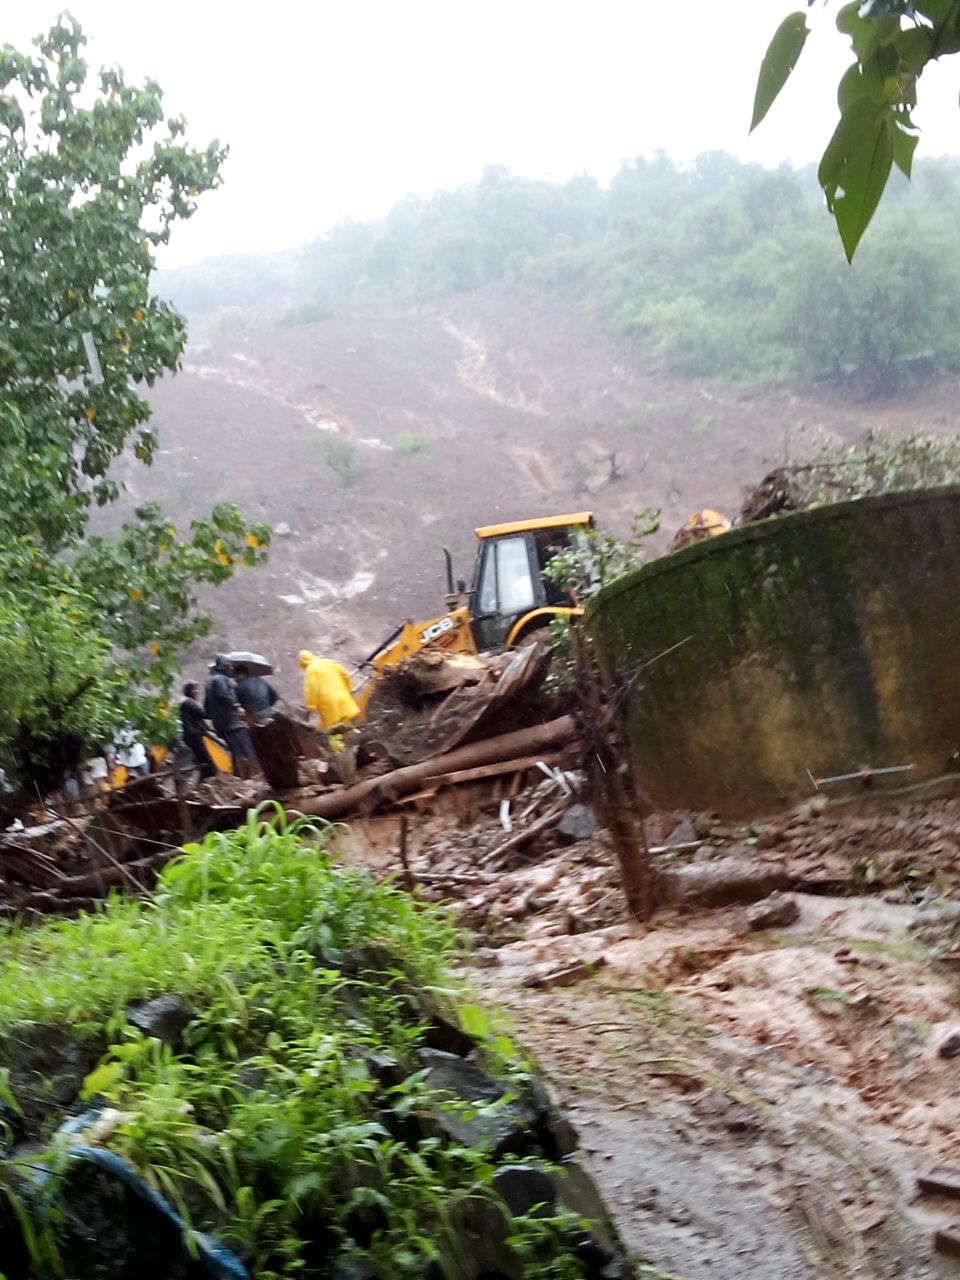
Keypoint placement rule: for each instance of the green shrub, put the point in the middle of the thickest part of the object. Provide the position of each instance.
(408, 443)
(269, 1119)
(341, 457)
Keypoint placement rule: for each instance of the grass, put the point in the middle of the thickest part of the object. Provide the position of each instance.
(341, 457)
(268, 1118)
(409, 443)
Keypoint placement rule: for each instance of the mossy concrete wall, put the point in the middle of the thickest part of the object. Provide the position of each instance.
(820, 641)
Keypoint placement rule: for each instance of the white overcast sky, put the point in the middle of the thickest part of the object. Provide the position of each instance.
(337, 108)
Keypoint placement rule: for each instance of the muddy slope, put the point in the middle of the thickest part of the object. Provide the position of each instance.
(512, 406)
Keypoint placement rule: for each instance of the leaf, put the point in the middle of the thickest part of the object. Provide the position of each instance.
(778, 62)
(100, 1079)
(863, 178)
(885, 8)
(854, 125)
(904, 145)
(474, 1021)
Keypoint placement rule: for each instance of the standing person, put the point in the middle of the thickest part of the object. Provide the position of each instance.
(327, 691)
(255, 695)
(223, 709)
(193, 725)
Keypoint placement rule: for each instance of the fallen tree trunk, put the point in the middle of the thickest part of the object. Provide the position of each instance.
(103, 877)
(495, 770)
(523, 742)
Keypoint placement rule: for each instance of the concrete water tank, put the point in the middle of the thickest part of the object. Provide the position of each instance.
(812, 644)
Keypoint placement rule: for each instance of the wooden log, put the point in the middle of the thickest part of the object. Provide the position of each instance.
(495, 770)
(101, 879)
(946, 1183)
(46, 904)
(508, 746)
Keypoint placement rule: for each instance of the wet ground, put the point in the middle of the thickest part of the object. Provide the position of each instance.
(753, 1102)
(758, 1106)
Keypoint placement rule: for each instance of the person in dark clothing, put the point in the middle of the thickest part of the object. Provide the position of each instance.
(255, 695)
(193, 726)
(223, 709)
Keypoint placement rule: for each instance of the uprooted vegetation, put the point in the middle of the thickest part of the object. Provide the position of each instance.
(270, 1045)
(881, 463)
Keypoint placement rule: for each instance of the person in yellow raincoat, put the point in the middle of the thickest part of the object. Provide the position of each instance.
(326, 690)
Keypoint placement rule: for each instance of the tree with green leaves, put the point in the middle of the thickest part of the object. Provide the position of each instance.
(93, 178)
(892, 42)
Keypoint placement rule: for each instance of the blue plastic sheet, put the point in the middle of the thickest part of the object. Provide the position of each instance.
(214, 1257)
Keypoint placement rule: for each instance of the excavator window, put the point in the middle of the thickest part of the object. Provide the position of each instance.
(506, 585)
(550, 543)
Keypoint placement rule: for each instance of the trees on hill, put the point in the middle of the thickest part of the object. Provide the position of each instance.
(727, 270)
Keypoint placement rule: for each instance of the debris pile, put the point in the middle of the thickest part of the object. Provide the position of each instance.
(64, 863)
(438, 723)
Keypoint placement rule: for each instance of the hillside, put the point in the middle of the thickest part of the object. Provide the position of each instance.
(503, 406)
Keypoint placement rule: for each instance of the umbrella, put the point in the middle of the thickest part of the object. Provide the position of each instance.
(255, 663)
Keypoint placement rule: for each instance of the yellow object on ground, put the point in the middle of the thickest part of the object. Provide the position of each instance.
(219, 756)
(709, 522)
(326, 690)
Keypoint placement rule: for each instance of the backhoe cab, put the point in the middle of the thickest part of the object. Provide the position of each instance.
(508, 600)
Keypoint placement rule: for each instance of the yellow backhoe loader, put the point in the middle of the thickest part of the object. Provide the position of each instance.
(508, 600)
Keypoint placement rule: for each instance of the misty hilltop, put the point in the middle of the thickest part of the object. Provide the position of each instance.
(370, 441)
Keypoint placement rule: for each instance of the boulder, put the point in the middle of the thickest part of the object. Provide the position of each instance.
(578, 823)
(525, 1190)
(948, 1046)
(774, 912)
(47, 1064)
(477, 1241)
(600, 1252)
(720, 883)
(458, 1081)
(162, 1018)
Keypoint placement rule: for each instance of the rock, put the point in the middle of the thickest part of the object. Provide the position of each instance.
(578, 823)
(385, 1069)
(373, 963)
(683, 833)
(485, 958)
(508, 1130)
(47, 1064)
(442, 1034)
(525, 1190)
(163, 1018)
(772, 835)
(720, 883)
(568, 976)
(282, 530)
(556, 1134)
(601, 1253)
(774, 912)
(477, 1241)
(948, 1045)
